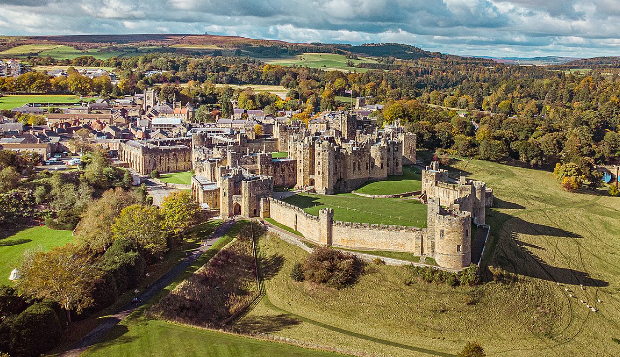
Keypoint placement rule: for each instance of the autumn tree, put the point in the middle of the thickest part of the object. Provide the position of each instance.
(472, 349)
(180, 212)
(94, 230)
(64, 275)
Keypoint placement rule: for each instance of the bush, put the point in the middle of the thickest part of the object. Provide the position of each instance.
(469, 276)
(472, 349)
(35, 331)
(613, 191)
(332, 267)
(154, 174)
(11, 303)
(297, 273)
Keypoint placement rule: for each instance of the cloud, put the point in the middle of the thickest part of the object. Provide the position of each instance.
(477, 27)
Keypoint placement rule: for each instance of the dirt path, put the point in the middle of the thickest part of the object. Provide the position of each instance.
(100, 331)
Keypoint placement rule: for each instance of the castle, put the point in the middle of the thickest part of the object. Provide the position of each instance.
(237, 175)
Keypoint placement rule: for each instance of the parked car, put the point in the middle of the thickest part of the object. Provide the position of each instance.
(52, 161)
(74, 162)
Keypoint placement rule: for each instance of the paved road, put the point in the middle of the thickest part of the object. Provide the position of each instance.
(100, 331)
(158, 191)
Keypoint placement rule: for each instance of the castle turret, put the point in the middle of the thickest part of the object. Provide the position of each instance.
(450, 231)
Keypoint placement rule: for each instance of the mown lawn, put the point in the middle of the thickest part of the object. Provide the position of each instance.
(13, 247)
(182, 178)
(279, 155)
(411, 180)
(143, 337)
(9, 102)
(352, 208)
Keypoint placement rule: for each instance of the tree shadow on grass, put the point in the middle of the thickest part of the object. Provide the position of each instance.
(499, 203)
(271, 265)
(513, 255)
(266, 324)
(14, 242)
(116, 336)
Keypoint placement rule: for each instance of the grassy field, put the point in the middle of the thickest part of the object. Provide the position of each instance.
(551, 240)
(58, 52)
(352, 208)
(182, 178)
(411, 180)
(142, 337)
(280, 91)
(13, 247)
(9, 102)
(326, 61)
(279, 155)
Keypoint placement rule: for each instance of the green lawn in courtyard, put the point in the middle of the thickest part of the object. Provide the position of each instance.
(9, 102)
(13, 247)
(352, 208)
(279, 155)
(182, 178)
(411, 180)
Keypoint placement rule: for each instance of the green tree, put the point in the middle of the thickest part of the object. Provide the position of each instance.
(180, 212)
(143, 226)
(9, 179)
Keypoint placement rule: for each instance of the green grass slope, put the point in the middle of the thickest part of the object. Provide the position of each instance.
(9, 102)
(549, 239)
(12, 248)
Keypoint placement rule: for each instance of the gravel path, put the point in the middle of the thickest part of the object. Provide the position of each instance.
(100, 331)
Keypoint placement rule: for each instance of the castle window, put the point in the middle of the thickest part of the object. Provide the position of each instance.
(441, 234)
(458, 248)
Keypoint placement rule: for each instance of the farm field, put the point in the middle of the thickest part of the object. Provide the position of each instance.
(13, 247)
(408, 182)
(352, 208)
(181, 178)
(58, 52)
(551, 240)
(9, 102)
(326, 61)
(280, 91)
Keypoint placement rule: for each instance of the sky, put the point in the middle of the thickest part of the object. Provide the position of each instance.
(499, 28)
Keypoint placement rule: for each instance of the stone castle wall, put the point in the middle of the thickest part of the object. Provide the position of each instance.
(346, 234)
(145, 157)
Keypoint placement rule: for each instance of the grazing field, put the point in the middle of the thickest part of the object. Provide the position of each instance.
(181, 178)
(352, 208)
(13, 247)
(550, 240)
(411, 180)
(59, 52)
(9, 102)
(326, 61)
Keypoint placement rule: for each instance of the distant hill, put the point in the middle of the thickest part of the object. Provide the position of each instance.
(395, 50)
(535, 61)
(611, 61)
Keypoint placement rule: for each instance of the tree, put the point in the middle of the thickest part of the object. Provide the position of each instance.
(94, 230)
(143, 226)
(64, 275)
(472, 349)
(258, 129)
(180, 212)
(202, 115)
(9, 179)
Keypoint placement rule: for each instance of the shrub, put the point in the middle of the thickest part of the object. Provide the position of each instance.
(570, 183)
(154, 174)
(469, 276)
(297, 273)
(613, 191)
(332, 268)
(11, 303)
(378, 261)
(472, 349)
(35, 331)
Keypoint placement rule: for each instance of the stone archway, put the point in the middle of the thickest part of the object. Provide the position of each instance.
(236, 209)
